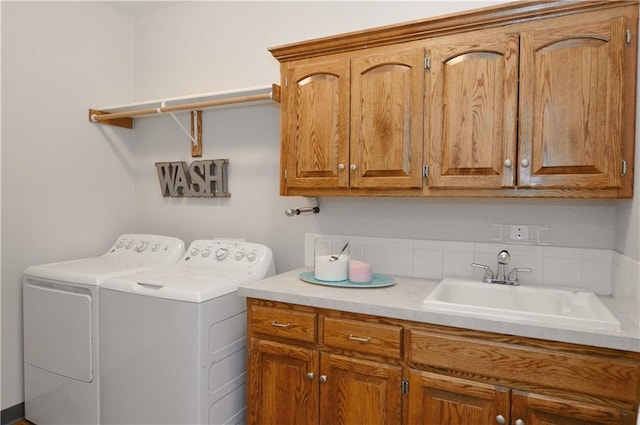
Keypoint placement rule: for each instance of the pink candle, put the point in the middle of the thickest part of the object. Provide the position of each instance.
(359, 271)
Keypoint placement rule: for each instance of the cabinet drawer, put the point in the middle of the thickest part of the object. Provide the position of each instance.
(285, 323)
(596, 375)
(364, 337)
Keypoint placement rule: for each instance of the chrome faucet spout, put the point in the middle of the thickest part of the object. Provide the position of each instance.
(501, 275)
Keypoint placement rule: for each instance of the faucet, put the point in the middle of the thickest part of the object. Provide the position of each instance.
(501, 277)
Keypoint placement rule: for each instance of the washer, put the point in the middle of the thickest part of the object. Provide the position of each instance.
(61, 325)
(173, 346)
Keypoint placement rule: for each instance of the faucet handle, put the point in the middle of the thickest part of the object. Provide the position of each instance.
(513, 274)
(488, 273)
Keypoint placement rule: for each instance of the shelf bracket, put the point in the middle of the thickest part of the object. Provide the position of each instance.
(196, 133)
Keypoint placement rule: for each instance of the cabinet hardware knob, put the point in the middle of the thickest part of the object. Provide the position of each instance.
(359, 338)
(500, 420)
(323, 379)
(353, 167)
(340, 166)
(519, 422)
(525, 163)
(280, 325)
(508, 163)
(310, 376)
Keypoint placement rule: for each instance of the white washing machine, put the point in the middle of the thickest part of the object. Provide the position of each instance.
(60, 309)
(173, 340)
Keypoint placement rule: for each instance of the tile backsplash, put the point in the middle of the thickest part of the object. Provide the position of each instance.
(603, 271)
(578, 268)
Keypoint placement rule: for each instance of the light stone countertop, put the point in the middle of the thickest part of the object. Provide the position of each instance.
(404, 301)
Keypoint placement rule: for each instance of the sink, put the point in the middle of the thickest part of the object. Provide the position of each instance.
(522, 304)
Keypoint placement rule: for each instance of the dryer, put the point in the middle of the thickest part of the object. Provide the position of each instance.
(173, 340)
(61, 326)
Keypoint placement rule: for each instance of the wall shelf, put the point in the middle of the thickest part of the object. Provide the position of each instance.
(123, 115)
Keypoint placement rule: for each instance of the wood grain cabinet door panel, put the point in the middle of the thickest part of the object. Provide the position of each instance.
(572, 90)
(535, 409)
(386, 119)
(316, 139)
(359, 392)
(281, 390)
(438, 400)
(472, 98)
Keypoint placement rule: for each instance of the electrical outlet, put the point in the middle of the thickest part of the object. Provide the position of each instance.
(519, 232)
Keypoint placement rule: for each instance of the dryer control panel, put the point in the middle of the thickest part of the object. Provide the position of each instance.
(230, 255)
(142, 247)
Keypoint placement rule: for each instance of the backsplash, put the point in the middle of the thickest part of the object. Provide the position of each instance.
(603, 271)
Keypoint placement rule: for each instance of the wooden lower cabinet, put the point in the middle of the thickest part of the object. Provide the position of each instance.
(436, 399)
(280, 388)
(536, 409)
(313, 366)
(347, 390)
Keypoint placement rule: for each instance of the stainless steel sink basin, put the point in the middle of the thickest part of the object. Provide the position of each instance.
(522, 304)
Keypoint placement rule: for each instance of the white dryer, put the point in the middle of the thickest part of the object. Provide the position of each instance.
(173, 347)
(61, 316)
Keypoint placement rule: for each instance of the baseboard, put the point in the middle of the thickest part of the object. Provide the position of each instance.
(12, 414)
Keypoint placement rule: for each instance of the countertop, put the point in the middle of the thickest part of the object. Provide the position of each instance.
(404, 301)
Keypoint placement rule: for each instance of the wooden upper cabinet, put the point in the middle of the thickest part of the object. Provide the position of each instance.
(472, 98)
(526, 99)
(571, 111)
(315, 127)
(386, 119)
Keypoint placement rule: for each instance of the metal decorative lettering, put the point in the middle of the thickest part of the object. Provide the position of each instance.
(202, 179)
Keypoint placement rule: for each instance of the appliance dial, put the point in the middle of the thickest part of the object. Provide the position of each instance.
(251, 256)
(129, 244)
(155, 247)
(120, 244)
(239, 255)
(194, 251)
(141, 246)
(206, 252)
(221, 253)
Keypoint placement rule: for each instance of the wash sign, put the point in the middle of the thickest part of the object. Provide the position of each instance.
(206, 178)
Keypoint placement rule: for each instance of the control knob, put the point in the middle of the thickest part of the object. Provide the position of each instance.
(155, 247)
(120, 244)
(141, 246)
(251, 256)
(221, 253)
(239, 255)
(206, 252)
(129, 244)
(194, 251)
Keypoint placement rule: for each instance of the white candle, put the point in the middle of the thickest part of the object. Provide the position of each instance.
(331, 270)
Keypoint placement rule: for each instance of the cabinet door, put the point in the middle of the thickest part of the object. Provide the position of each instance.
(386, 119)
(439, 399)
(571, 115)
(359, 392)
(536, 409)
(472, 98)
(283, 387)
(315, 139)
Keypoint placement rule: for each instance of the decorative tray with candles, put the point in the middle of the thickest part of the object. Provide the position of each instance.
(377, 281)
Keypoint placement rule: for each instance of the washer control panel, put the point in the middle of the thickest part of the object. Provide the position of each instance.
(228, 255)
(141, 246)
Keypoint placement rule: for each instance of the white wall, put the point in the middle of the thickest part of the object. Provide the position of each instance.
(67, 184)
(210, 46)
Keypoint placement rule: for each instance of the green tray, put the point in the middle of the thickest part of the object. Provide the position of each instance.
(377, 281)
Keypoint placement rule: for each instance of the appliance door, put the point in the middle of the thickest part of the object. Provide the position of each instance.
(58, 329)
